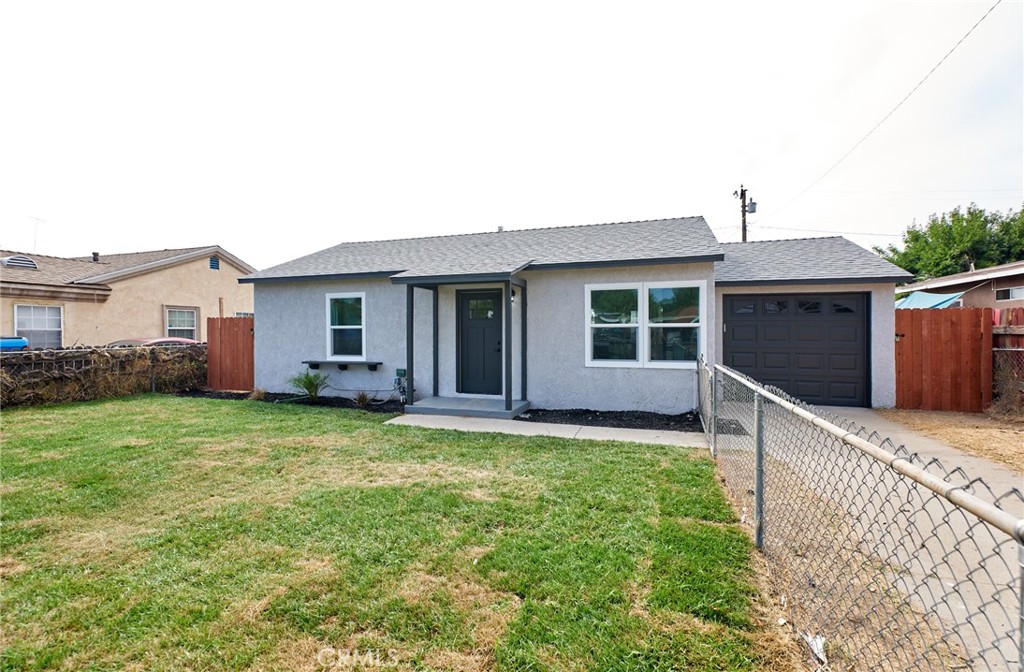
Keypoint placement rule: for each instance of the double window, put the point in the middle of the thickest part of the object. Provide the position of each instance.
(652, 324)
(41, 325)
(1010, 294)
(182, 322)
(346, 332)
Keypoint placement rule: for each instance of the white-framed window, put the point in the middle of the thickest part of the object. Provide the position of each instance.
(646, 324)
(43, 326)
(240, 314)
(346, 326)
(1010, 294)
(182, 322)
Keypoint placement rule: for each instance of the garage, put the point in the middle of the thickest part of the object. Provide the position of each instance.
(813, 346)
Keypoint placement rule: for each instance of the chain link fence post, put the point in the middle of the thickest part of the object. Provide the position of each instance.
(758, 470)
(714, 413)
(1020, 603)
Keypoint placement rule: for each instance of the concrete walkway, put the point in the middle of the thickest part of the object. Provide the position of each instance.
(999, 478)
(658, 437)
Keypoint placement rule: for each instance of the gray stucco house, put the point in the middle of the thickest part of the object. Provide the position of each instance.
(605, 317)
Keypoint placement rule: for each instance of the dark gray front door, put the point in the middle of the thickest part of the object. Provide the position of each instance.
(479, 345)
(813, 346)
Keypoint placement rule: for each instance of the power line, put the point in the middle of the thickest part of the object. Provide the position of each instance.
(891, 112)
(844, 233)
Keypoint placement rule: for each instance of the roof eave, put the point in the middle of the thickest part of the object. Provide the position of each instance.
(812, 281)
(54, 291)
(962, 279)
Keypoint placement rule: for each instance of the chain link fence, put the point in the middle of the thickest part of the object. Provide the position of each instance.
(1008, 373)
(883, 560)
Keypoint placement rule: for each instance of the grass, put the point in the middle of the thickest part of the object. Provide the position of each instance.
(168, 533)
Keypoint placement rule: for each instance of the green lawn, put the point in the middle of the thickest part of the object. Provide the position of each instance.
(158, 532)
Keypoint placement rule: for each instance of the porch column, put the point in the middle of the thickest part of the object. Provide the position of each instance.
(409, 341)
(436, 387)
(507, 344)
(522, 346)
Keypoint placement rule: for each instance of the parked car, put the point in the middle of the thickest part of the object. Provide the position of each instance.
(13, 343)
(138, 342)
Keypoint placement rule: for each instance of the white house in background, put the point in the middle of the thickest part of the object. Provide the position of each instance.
(605, 317)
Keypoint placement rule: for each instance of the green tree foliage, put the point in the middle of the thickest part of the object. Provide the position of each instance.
(950, 243)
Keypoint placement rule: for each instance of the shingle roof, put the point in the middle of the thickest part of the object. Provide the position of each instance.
(50, 271)
(504, 252)
(803, 260)
(84, 271)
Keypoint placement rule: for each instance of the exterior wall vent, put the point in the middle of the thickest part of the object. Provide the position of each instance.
(18, 261)
(215, 263)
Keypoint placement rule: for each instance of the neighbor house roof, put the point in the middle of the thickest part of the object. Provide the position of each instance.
(84, 272)
(980, 275)
(803, 261)
(502, 253)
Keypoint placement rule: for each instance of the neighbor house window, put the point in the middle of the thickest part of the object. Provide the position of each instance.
(238, 314)
(653, 324)
(182, 322)
(43, 326)
(1010, 294)
(346, 333)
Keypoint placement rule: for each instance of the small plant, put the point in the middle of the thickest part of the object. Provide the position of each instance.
(362, 399)
(259, 394)
(310, 382)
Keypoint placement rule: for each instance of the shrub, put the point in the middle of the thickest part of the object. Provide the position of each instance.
(310, 382)
(362, 399)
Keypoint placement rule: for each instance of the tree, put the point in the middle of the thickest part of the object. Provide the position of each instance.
(955, 241)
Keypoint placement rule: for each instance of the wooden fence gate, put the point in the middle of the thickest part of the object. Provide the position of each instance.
(229, 352)
(944, 359)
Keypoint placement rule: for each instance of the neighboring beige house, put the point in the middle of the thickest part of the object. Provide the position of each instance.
(993, 287)
(62, 302)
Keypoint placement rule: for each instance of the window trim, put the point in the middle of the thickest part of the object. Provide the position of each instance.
(167, 321)
(330, 329)
(643, 325)
(59, 307)
(590, 326)
(1009, 291)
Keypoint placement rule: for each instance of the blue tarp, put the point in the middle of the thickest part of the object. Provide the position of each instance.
(928, 300)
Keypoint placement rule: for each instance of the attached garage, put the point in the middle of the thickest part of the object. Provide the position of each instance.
(814, 317)
(815, 346)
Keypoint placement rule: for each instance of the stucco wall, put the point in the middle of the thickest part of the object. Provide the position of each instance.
(882, 328)
(135, 307)
(985, 296)
(558, 376)
(291, 326)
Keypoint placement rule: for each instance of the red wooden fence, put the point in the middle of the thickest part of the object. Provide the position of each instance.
(944, 359)
(1010, 332)
(229, 353)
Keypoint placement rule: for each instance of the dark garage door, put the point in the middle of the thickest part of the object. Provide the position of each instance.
(813, 346)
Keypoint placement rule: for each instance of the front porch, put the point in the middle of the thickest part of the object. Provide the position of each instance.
(481, 317)
(467, 407)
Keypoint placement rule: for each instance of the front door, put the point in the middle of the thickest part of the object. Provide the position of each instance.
(479, 346)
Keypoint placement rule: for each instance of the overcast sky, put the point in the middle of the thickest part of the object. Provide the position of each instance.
(278, 129)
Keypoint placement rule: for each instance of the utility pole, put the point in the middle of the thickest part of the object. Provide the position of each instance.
(744, 209)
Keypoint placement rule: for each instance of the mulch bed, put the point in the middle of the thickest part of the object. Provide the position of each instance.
(683, 422)
(277, 398)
